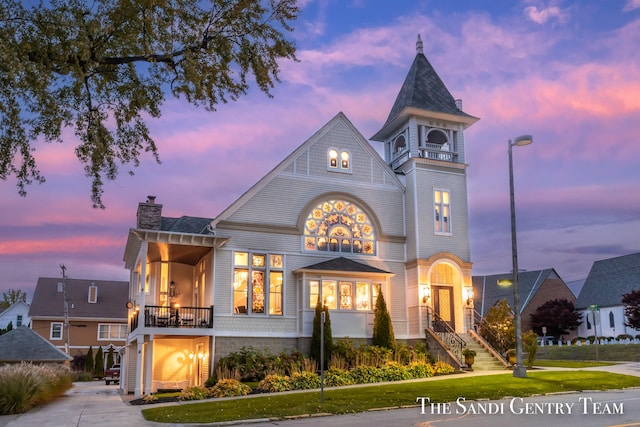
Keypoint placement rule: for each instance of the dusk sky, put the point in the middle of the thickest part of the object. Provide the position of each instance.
(567, 72)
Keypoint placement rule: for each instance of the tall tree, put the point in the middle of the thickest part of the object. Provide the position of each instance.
(88, 362)
(317, 338)
(383, 335)
(12, 296)
(110, 358)
(101, 67)
(559, 316)
(631, 303)
(98, 367)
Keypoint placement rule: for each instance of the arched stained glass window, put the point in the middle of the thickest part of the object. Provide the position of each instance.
(339, 226)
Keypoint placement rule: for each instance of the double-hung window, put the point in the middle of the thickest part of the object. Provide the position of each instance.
(442, 211)
(258, 282)
(56, 331)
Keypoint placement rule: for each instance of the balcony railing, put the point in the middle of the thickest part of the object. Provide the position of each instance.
(428, 151)
(156, 316)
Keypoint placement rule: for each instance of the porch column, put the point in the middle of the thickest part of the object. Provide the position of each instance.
(138, 346)
(148, 365)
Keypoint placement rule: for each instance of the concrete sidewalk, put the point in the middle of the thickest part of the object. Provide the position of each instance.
(85, 404)
(96, 404)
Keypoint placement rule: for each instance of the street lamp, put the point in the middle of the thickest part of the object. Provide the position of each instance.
(519, 370)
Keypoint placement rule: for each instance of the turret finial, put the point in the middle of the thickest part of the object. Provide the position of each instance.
(419, 45)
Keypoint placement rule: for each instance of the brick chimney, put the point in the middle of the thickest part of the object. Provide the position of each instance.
(149, 216)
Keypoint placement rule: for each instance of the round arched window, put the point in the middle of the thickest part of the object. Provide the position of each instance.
(339, 226)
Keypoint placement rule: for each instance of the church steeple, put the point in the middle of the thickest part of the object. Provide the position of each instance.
(423, 104)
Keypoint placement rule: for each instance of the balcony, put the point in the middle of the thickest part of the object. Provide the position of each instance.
(429, 151)
(156, 316)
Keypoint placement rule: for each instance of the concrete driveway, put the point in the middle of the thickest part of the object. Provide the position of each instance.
(85, 404)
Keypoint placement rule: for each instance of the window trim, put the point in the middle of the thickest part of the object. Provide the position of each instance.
(340, 281)
(271, 263)
(339, 165)
(442, 205)
(51, 329)
(109, 337)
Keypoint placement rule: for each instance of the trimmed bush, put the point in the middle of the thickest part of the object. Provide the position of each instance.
(229, 388)
(393, 371)
(383, 335)
(421, 369)
(98, 368)
(195, 393)
(304, 380)
(336, 377)
(443, 368)
(274, 384)
(365, 374)
(88, 362)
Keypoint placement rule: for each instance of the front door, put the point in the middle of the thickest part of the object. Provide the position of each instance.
(443, 304)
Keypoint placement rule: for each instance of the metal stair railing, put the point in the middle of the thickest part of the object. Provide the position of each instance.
(447, 334)
(490, 335)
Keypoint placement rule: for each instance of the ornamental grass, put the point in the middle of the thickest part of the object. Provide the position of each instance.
(24, 385)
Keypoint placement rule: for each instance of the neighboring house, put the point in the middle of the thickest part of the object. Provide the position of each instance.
(24, 345)
(97, 314)
(535, 288)
(17, 314)
(607, 282)
(333, 222)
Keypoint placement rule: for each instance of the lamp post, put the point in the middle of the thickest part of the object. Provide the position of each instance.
(519, 369)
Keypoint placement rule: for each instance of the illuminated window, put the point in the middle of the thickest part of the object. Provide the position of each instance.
(258, 287)
(339, 226)
(339, 160)
(442, 216)
(339, 295)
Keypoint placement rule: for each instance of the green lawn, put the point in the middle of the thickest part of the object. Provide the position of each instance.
(606, 352)
(362, 398)
(542, 363)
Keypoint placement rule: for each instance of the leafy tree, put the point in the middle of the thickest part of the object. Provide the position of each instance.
(88, 363)
(110, 358)
(498, 328)
(631, 303)
(98, 368)
(558, 315)
(316, 337)
(101, 67)
(12, 296)
(382, 327)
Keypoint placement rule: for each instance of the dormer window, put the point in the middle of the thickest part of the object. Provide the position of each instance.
(93, 294)
(339, 160)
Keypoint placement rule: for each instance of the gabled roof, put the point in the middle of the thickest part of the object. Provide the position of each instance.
(343, 264)
(424, 93)
(487, 291)
(608, 280)
(22, 344)
(111, 303)
(338, 119)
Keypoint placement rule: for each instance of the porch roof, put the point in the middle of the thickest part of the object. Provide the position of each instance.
(342, 264)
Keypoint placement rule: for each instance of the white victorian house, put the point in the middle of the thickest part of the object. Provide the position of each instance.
(334, 220)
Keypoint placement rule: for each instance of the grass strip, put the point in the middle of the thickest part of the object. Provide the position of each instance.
(360, 399)
(570, 364)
